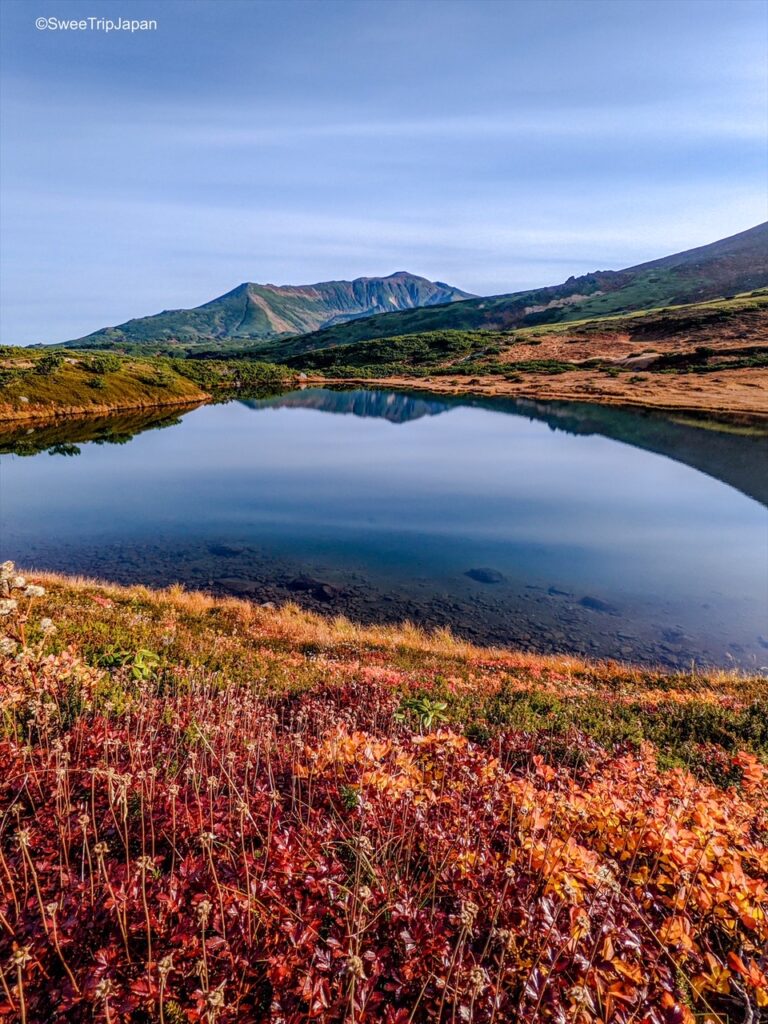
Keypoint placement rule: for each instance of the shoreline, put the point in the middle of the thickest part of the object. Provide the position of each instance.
(38, 414)
(744, 393)
(289, 622)
(746, 390)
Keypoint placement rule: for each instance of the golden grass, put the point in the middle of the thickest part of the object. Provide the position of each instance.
(201, 617)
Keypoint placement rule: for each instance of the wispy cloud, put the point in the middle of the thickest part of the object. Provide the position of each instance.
(496, 146)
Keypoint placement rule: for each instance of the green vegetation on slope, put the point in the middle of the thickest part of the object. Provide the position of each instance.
(256, 311)
(743, 318)
(36, 382)
(404, 353)
(722, 269)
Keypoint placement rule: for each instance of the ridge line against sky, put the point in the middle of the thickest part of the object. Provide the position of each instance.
(495, 146)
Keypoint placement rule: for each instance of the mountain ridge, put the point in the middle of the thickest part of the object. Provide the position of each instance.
(728, 266)
(279, 322)
(253, 311)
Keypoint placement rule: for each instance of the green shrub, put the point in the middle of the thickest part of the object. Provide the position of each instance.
(102, 362)
(49, 363)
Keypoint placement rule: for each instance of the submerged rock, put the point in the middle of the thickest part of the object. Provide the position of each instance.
(224, 550)
(485, 575)
(239, 586)
(318, 589)
(596, 604)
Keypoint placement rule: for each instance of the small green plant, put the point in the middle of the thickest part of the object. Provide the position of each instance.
(427, 711)
(143, 663)
(350, 797)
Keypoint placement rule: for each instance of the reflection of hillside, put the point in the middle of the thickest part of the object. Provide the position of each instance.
(29, 438)
(394, 406)
(739, 459)
(736, 457)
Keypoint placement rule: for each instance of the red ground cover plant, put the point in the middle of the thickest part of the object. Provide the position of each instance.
(190, 850)
(214, 856)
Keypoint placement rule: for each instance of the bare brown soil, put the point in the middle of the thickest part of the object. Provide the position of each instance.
(629, 339)
(743, 392)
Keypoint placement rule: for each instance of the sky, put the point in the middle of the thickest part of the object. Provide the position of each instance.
(493, 144)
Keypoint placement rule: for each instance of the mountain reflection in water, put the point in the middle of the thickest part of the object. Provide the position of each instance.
(728, 452)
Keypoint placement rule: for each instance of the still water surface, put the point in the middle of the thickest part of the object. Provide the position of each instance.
(603, 531)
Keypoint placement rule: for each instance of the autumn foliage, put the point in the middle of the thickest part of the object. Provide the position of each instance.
(176, 846)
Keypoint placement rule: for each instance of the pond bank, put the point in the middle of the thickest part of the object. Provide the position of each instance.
(741, 392)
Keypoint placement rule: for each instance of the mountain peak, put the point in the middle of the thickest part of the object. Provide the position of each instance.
(253, 311)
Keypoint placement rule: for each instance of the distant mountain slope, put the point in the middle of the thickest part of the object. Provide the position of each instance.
(252, 312)
(723, 268)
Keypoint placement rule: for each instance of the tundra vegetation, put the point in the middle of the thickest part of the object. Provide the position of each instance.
(213, 811)
(53, 382)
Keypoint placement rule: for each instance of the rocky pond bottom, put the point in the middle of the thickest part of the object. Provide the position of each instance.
(545, 527)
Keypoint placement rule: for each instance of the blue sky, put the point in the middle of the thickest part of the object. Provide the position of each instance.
(495, 145)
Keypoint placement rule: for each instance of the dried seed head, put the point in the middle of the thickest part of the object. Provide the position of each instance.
(503, 937)
(215, 999)
(21, 956)
(355, 967)
(477, 980)
(468, 913)
(105, 989)
(608, 878)
(7, 645)
(365, 845)
(204, 908)
(34, 591)
(579, 995)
